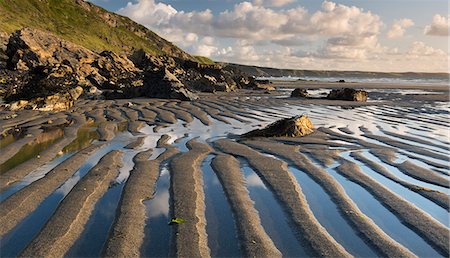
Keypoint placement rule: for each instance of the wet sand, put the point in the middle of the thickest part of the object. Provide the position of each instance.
(405, 142)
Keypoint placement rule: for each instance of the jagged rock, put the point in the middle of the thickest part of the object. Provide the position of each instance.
(31, 48)
(195, 76)
(163, 84)
(348, 94)
(299, 93)
(296, 126)
(28, 48)
(116, 72)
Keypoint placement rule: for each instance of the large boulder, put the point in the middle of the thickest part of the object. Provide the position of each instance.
(163, 84)
(299, 93)
(296, 126)
(348, 94)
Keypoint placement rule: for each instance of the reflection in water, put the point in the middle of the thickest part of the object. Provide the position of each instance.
(159, 204)
(220, 226)
(13, 242)
(418, 200)
(328, 215)
(33, 176)
(273, 217)
(95, 233)
(275, 221)
(85, 136)
(42, 142)
(157, 232)
(11, 136)
(384, 218)
(253, 180)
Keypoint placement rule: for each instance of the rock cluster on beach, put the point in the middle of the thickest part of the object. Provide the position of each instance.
(299, 93)
(43, 69)
(296, 126)
(348, 94)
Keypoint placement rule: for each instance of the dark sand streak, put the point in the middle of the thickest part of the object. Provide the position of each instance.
(68, 221)
(437, 197)
(189, 201)
(286, 188)
(254, 239)
(383, 243)
(22, 203)
(422, 223)
(20, 171)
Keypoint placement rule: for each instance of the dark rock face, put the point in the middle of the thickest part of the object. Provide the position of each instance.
(299, 93)
(163, 84)
(348, 94)
(195, 76)
(296, 126)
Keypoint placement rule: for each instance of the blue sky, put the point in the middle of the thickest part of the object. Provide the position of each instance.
(375, 35)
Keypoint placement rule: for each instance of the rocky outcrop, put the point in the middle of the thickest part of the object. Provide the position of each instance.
(299, 93)
(163, 84)
(30, 48)
(296, 126)
(196, 76)
(43, 65)
(348, 94)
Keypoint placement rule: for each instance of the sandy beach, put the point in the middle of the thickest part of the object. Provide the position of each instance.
(372, 180)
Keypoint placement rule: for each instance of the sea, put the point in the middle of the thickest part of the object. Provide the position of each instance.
(409, 81)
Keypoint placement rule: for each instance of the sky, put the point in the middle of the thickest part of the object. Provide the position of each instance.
(364, 35)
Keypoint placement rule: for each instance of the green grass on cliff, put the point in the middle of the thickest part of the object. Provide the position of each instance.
(89, 26)
(203, 60)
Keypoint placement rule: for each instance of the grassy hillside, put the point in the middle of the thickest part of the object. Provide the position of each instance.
(85, 24)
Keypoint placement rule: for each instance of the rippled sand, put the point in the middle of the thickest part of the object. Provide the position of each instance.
(106, 177)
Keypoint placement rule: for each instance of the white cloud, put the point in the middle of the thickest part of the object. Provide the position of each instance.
(257, 22)
(399, 27)
(148, 12)
(335, 37)
(440, 26)
(420, 49)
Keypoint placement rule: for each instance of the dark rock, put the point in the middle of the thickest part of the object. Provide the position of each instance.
(296, 126)
(341, 81)
(299, 93)
(348, 94)
(40, 81)
(264, 81)
(163, 84)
